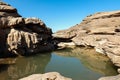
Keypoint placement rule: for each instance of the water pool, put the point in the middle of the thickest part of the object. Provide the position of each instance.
(77, 63)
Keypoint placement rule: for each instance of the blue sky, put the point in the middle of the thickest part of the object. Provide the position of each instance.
(62, 14)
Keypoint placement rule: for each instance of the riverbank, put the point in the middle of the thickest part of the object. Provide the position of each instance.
(99, 31)
(73, 63)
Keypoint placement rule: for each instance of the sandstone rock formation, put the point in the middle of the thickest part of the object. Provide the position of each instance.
(100, 31)
(111, 78)
(46, 76)
(22, 36)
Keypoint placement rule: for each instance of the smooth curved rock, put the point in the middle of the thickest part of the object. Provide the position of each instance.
(46, 76)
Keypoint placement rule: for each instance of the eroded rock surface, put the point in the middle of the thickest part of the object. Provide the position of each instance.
(22, 36)
(111, 78)
(46, 76)
(100, 31)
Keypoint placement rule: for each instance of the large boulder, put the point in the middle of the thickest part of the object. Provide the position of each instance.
(22, 36)
(46, 76)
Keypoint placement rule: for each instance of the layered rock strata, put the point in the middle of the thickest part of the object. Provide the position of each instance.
(100, 31)
(22, 36)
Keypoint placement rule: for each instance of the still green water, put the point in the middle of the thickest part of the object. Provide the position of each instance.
(78, 64)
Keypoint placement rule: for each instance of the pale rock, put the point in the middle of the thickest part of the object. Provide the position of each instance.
(111, 78)
(100, 31)
(46, 76)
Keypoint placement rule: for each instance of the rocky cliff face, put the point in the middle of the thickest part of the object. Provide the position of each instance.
(100, 31)
(22, 36)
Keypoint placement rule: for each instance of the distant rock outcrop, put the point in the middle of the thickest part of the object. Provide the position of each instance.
(100, 31)
(22, 36)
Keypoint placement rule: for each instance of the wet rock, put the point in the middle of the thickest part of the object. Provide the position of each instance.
(46, 76)
(111, 49)
(111, 78)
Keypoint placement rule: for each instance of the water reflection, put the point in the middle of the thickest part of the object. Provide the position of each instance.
(24, 67)
(78, 64)
(88, 57)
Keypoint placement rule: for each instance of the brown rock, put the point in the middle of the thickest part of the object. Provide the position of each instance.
(5, 14)
(112, 50)
(105, 23)
(11, 22)
(21, 42)
(6, 8)
(33, 21)
(2, 43)
(100, 31)
(22, 36)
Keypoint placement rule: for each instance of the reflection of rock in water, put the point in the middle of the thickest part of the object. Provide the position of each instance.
(4, 64)
(89, 58)
(3, 68)
(26, 66)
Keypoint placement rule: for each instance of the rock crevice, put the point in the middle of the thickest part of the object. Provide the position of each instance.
(22, 36)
